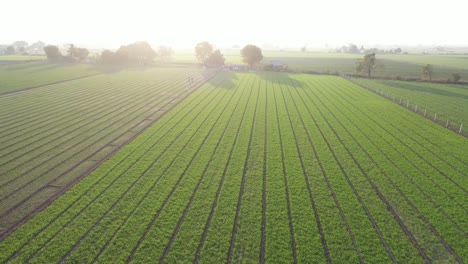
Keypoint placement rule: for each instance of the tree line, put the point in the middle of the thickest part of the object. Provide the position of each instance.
(74, 53)
(208, 57)
(353, 49)
(22, 47)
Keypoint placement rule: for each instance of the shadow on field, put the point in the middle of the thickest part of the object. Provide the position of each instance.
(225, 80)
(425, 89)
(282, 79)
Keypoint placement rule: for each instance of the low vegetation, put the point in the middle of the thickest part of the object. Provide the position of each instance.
(436, 101)
(266, 167)
(53, 135)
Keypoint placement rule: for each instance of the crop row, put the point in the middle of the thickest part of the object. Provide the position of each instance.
(43, 160)
(269, 168)
(436, 101)
(20, 76)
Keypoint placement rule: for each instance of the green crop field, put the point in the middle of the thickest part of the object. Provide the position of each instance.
(25, 75)
(22, 57)
(438, 101)
(404, 66)
(449, 61)
(269, 168)
(53, 135)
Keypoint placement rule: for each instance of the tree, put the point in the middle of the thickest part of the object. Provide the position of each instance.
(108, 57)
(139, 52)
(303, 48)
(52, 52)
(71, 51)
(165, 53)
(367, 64)
(251, 54)
(427, 72)
(352, 48)
(20, 44)
(203, 51)
(37, 46)
(456, 77)
(10, 50)
(215, 60)
(398, 50)
(81, 53)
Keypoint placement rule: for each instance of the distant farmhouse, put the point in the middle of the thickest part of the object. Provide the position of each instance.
(235, 67)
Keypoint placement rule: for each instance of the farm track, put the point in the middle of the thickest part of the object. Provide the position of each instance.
(131, 132)
(268, 168)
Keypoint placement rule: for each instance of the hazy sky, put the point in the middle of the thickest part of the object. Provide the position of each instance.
(103, 23)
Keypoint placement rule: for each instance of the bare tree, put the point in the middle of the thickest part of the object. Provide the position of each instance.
(427, 72)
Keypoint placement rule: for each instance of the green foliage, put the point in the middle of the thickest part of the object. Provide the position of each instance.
(251, 55)
(448, 101)
(52, 52)
(76, 53)
(456, 77)
(165, 53)
(76, 124)
(367, 64)
(203, 51)
(10, 50)
(137, 53)
(294, 168)
(215, 60)
(427, 72)
(206, 56)
(16, 77)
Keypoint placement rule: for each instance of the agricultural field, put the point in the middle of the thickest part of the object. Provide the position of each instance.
(15, 77)
(450, 61)
(22, 57)
(269, 168)
(404, 66)
(50, 137)
(438, 101)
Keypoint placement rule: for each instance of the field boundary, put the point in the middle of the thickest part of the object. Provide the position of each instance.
(46, 203)
(422, 114)
(47, 84)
